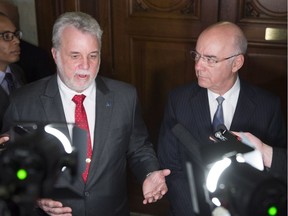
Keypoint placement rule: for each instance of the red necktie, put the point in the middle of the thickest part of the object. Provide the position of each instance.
(81, 122)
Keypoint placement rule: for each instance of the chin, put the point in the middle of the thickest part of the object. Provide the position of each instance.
(203, 84)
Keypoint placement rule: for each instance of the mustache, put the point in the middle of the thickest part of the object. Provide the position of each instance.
(82, 72)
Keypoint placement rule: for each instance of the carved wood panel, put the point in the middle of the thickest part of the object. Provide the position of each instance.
(151, 44)
(265, 25)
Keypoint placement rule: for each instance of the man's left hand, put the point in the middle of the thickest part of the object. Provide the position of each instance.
(154, 186)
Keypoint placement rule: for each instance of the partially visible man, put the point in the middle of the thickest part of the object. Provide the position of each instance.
(218, 55)
(35, 61)
(115, 127)
(11, 76)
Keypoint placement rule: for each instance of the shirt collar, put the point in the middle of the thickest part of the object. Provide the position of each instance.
(232, 91)
(69, 93)
(2, 73)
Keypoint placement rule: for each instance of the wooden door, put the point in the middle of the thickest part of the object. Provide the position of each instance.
(265, 26)
(151, 43)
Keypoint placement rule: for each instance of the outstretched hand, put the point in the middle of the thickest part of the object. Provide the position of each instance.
(154, 186)
(54, 208)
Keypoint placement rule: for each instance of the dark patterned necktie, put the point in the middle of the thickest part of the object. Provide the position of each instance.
(81, 122)
(218, 116)
(10, 82)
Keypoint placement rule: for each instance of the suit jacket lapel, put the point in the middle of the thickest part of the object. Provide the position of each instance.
(19, 75)
(200, 107)
(244, 109)
(52, 103)
(104, 107)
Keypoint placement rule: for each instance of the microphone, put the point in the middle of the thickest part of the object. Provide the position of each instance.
(195, 169)
(221, 127)
(189, 142)
(220, 130)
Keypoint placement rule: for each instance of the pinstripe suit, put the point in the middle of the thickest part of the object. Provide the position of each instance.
(120, 139)
(257, 112)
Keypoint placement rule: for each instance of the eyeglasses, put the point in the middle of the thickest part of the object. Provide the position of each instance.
(9, 36)
(209, 60)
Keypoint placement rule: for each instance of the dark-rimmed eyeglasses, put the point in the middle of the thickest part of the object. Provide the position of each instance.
(209, 60)
(9, 36)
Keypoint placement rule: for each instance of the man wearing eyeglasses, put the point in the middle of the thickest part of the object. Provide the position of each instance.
(35, 61)
(11, 76)
(218, 55)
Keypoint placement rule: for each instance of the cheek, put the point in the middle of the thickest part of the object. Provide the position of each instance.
(94, 65)
(4, 50)
(216, 75)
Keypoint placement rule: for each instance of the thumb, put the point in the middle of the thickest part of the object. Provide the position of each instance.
(166, 172)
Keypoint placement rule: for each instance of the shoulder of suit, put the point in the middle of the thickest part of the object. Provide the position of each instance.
(112, 84)
(187, 89)
(16, 69)
(256, 91)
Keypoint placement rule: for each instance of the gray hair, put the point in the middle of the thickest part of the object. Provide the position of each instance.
(241, 42)
(81, 21)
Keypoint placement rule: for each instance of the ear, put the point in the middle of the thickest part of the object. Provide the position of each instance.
(237, 63)
(54, 54)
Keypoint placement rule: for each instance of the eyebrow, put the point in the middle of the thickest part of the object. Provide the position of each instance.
(209, 56)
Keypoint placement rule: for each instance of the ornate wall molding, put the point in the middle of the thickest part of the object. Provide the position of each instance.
(165, 6)
(266, 9)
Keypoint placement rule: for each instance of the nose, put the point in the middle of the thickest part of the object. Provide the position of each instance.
(16, 40)
(198, 64)
(86, 63)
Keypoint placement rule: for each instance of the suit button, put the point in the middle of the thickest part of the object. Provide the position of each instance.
(86, 193)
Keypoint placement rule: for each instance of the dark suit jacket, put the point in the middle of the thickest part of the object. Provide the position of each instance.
(18, 75)
(120, 135)
(257, 112)
(35, 61)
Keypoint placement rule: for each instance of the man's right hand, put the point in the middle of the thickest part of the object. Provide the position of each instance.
(54, 208)
(4, 139)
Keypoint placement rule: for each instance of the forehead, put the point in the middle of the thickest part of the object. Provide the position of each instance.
(214, 41)
(6, 24)
(73, 38)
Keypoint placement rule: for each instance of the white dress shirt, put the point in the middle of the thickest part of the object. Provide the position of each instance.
(229, 104)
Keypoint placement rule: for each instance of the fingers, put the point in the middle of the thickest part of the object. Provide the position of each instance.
(154, 197)
(54, 208)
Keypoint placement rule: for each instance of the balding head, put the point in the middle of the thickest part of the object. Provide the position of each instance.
(11, 11)
(228, 33)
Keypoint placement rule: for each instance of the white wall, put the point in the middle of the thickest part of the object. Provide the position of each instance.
(27, 19)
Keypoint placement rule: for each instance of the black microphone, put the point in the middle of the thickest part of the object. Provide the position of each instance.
(189, 142)
(220, 130)
(221, 127)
